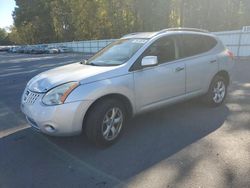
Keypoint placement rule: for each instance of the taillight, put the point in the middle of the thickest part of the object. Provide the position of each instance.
(230, 54)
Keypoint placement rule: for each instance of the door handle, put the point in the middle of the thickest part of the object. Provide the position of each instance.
(178, 69)
(213, 61)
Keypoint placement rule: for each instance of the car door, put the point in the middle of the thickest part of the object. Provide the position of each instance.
(201, 63)
(166, 80)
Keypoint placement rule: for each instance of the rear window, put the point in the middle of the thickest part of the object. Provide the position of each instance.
(196, 44)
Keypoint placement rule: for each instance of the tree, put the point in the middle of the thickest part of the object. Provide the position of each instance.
(33, 21)
(43, 21)
(14, 36)
(215, 15)
(4, 38)
(61, 20)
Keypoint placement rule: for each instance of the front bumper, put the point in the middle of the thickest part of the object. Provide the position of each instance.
(59, 120)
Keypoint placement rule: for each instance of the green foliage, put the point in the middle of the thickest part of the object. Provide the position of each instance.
(4, 38)
(14, 36)
(216, 15)
(33, 21)
(42, 21)
(3, 34)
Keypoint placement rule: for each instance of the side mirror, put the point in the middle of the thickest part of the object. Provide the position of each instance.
(149, 61)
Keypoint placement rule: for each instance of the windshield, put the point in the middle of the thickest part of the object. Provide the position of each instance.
(117, 52)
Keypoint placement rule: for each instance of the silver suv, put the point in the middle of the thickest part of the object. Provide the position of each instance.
(137, 73)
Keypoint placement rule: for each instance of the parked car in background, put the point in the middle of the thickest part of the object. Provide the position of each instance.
(64, 49)
(138, 73)
(38, 50)
(52, 50)
(43, 47)
(4, 48)
(16, 49)
(27, 49)
(11, 49)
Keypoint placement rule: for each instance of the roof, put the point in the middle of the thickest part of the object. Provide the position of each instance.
(140, 35)
(148, 35)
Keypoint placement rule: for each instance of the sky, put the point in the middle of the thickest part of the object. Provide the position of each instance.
(6, 9)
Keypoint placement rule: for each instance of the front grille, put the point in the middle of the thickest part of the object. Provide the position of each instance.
(30, 97)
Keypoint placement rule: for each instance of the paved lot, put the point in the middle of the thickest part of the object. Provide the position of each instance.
(186, 145)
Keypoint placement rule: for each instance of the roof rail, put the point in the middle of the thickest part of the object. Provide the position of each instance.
(131, 34)
(183, 29)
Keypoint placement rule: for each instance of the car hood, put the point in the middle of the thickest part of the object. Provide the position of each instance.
(68, 73)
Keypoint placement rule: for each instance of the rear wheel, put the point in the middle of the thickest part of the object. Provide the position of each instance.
(105, 122)
(217, 92)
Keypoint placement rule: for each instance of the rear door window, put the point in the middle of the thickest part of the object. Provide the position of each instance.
(193, 44)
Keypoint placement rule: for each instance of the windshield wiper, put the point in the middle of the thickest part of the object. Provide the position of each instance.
(93, 64)
(83, 62)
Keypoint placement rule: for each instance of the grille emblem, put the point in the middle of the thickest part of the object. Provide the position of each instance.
(26, 95)
(30, 97)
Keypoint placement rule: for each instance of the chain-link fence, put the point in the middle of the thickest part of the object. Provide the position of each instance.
(237, 41)
(91, 46)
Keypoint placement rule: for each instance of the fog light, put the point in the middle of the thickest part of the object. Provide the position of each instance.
(49, 128)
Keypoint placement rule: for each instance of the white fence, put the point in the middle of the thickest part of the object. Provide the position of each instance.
(237, 41)
(91, 46)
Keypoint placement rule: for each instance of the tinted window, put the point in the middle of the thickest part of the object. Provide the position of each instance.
(164, 49)
(196, 44)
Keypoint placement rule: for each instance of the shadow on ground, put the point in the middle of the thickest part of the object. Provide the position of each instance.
(148, 139)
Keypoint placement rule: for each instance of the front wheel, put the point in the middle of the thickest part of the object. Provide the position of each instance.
(217, 92)
(105, 122)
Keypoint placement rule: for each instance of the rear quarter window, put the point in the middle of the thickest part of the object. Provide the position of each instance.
(193, 44)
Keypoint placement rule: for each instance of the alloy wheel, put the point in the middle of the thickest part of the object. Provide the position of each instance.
(112, 123)
(219, 92)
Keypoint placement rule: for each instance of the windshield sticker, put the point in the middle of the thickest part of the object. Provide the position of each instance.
(139, 41)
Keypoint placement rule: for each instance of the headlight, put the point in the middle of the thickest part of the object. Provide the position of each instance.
(59, 94)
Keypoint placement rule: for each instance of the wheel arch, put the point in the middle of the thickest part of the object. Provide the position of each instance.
(122, 98)
(225, 75)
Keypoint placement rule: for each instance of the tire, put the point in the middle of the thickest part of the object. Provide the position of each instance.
(101, 127)
(217, 92)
